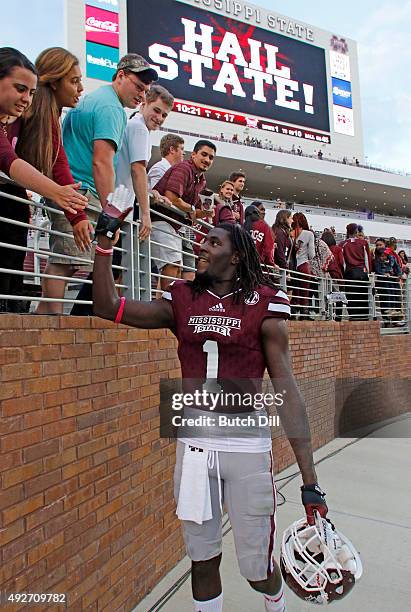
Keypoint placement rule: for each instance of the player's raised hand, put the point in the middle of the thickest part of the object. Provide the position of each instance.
(118, 206)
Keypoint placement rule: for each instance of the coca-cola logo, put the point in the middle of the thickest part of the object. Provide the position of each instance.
(96, 25)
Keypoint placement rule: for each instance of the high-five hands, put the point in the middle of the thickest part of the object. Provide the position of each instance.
(118, 206)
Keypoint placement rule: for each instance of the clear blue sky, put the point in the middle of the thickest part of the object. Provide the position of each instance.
(381, 28)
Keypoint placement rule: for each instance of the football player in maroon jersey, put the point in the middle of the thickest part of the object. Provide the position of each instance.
(229, 322)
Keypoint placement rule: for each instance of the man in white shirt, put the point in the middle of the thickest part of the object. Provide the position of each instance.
(135, 151)
(172, 152)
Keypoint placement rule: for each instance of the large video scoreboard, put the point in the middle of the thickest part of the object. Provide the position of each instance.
(231, 63)
(235, 63)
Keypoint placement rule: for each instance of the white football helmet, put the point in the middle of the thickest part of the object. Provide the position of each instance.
(318, 562)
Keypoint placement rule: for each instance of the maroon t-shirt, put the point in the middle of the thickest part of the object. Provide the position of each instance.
(216, 335)
(61, 170)
(336, 267)
(264, 241)
(356, 254)
(184, 180)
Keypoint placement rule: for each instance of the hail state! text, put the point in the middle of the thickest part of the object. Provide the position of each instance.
(263, 69)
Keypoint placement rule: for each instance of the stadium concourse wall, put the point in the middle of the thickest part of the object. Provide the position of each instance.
(86, 504)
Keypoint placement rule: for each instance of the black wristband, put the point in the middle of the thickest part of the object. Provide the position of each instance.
(107, 225)
(314, 488)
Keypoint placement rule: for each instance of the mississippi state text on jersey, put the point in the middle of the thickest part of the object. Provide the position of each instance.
(218, 338)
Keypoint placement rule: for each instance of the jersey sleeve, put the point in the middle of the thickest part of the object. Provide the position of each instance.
(176, 294)
(276, 305)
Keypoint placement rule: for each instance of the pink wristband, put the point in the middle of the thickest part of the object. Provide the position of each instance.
(101, 251)
(119, 314)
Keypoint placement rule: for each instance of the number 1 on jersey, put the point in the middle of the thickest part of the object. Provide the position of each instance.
(211, 348)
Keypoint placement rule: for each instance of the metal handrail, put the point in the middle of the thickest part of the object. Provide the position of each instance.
(309, 295)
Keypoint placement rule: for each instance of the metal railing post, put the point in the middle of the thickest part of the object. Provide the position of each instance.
(372, 308)
(407, 304)
(143, 268)
(321, 298)
(127, 243)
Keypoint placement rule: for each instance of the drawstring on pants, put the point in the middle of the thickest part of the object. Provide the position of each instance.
(211, 459)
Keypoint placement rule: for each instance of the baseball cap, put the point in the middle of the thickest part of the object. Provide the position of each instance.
(137, 63)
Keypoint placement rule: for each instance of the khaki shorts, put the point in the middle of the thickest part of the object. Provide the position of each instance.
(65, 245)
(248, 493)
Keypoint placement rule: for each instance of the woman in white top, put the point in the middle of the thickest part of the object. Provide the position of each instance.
(304, 249)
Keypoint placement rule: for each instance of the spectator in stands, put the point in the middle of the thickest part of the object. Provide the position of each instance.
(221, 212)
(335, 269)
(93, 133)
(360, 232)
(223, 209)
(380, 243)
(283, 243)
(357, 267)
(238, 179)
(391, 246)
(320, 264)
(41, 144)
(182, 185)
(304, 252)
(261, 233)
(261, 208)
(135, 150)
(172, 152)
(135, 153)
(18, 82)
(405, 266)
(387, 273)
(391, 249)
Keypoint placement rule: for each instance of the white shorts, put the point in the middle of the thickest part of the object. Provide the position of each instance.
(248, 493)
(169, 247)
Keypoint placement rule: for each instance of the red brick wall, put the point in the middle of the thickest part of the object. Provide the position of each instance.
(86, 503)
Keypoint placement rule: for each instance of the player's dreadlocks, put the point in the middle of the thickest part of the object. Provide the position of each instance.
(249, 273)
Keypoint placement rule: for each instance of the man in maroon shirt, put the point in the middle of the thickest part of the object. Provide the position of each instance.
(181, 184)
(230, 325)
(357, 263)
(261, 233)
(238, 180)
